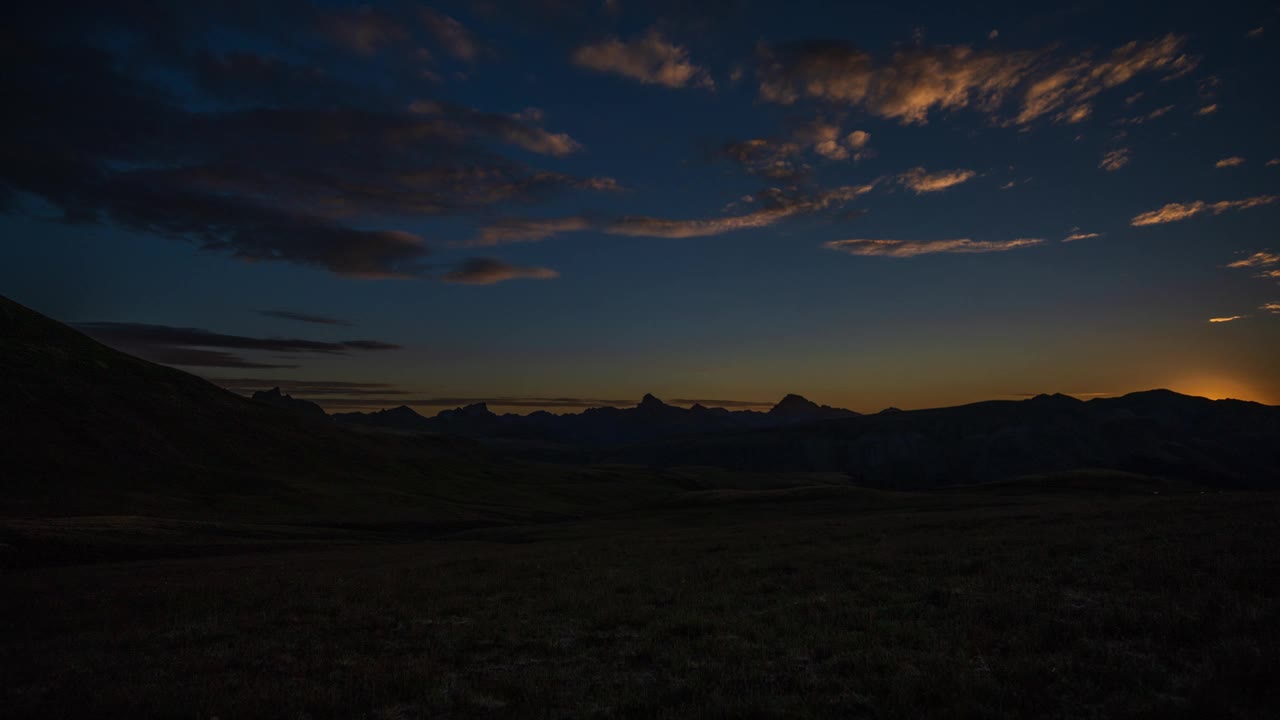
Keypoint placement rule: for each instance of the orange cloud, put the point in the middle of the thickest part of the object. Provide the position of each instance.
(915, 83)
(1113, 160)
(1233, 161)
(921, 181)
(1227, 319)
(487, 271)
(912, 248)
(1175, 212)
(650, 59)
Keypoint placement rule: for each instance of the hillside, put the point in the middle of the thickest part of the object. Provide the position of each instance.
(91, 431)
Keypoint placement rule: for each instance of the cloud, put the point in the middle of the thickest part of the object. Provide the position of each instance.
(1140, 119)
(260, 158)
(203, 348)
(1227, 319)
(711, 403)
(451, 35)
(1113, 160)
(1267, 262)
(487, 271)
(1256, 32)
(912, 248)
(1233, 161)
(773, 159)
(1271, 307)
(1208, 109)
(921, 181)
(307, 387)
(515, 230)
(364, 30)
(915, 83)
(776, 206)
(650, 59)
(1077, 235)
(1273, 162)
(303, 317)
(1175, 212)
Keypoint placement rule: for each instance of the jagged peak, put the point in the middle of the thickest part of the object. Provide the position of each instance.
(650, 401)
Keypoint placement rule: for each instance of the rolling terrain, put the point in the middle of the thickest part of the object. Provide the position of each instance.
(171, 549)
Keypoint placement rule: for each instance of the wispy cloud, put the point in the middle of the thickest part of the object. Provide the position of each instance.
(1141, 119)
(1077, 235)
(1271, 307)
(1176, 212)
(450, 35)
(1113, 160)
(1273, 162)
(1233, 161)
(650, 59)
(774, 206)
(914, 83)
(203, 348)
(487, 271)
(516, 230)
(921, 181)
(1208, 109)
(1258, 259)
(912, 248)
(303, 317)
(1267, 263)
(1256, 32)
(1233, 318)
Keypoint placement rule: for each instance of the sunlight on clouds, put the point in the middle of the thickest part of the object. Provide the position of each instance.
(1175, 212)
(1113, 160)
(922, 181)
(1227, 319)
(912, 248)
(650, 59)
(1076, 235)
(1233, 161)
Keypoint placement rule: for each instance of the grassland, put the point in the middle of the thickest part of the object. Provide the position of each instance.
(785, 602)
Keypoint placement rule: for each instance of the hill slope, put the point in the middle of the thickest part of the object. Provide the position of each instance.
(88, 430)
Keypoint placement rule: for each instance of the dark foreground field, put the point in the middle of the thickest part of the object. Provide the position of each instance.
(828, 602)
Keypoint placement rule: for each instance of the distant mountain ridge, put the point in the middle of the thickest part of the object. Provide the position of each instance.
(288, 402)
(1158, 433)
(650, 419)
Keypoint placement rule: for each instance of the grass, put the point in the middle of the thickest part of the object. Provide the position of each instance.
(826, 602)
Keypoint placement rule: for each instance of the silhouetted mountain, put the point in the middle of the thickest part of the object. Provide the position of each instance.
(84, 428)
(402, 418)
(298, 405)
(1159, 433)
(797, 408)
(650, 419)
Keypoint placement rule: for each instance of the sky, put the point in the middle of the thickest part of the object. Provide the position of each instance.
(555, 205)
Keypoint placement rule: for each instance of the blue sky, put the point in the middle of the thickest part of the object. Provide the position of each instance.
(563, 204)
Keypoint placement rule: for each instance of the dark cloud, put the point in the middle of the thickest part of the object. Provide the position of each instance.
(742, 404)
(303, 317)
(772, 205)
(202, 348)
(487, 271)
(308, 387)
(247, 153)
(197, 357)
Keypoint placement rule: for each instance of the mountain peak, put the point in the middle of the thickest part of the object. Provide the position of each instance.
(649, 401)
(794, 404)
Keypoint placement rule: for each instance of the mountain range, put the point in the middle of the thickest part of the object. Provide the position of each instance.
(651, 419)
(90, 429)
